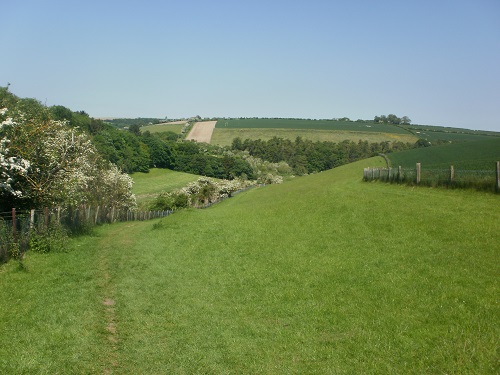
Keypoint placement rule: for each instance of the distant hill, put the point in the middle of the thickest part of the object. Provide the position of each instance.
(338, 130)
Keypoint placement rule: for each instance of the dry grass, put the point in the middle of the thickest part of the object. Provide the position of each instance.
(202, 131)
(224, 137)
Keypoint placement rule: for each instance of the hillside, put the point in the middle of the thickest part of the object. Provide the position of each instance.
(322, 274)
(479, 154)
(316, 130)
(338, 130)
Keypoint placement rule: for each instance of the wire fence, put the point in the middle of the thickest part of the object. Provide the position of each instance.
(451, 177)
(17, 227)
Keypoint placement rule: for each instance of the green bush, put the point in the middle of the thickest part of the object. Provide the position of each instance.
(53, 238)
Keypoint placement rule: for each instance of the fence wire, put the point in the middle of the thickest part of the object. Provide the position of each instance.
(458, 178)
(18, 226)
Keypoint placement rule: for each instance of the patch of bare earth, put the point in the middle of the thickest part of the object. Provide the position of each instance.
(202, 131)
(110, 319)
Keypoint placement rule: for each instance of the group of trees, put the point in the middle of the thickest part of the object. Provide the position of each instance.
(45, 162)
(135, 151)
(392, 119)
(306, 156)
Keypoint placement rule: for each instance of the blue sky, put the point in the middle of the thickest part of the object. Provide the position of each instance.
(437, 62)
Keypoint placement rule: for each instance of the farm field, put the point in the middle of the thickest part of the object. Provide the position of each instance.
(435, 133)
(322, 274)
(479, 155)
(201, 131)
(308, 124)
(225, 136)
(336, 131)
(148, 185)
(175, 127)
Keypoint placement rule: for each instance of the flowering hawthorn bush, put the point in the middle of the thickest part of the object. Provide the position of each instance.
(204, 191)
(11, 167)
(44, 162)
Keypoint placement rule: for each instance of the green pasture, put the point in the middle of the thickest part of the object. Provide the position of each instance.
(158, 128)
(225, 136)
(322, 274)
(480, 155)
(148, 185)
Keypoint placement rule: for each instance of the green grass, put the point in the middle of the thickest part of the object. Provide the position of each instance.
(467, 155)
(323, 274)
(225, 136)
(51, 316)
(158, 128)
(148, 185)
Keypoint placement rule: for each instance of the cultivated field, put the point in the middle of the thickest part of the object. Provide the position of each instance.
(481, 154)
(201, 131)
(322, 274)
(309, 125)
(336, 131)
(224, 137)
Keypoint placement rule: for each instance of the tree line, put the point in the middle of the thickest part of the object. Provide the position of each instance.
(306, 156)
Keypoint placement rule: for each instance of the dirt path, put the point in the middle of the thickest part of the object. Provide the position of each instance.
(202, 131)
(108, 297)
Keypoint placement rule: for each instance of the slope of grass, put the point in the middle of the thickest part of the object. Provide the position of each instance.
(158, 128)
(225, 136)
(148, 185)
(323, 274)
(467, 155)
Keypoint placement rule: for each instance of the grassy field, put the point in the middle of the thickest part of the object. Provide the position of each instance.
(158, 128)
(225, 136)
(467, 155)
(322, 274)
(148, 185)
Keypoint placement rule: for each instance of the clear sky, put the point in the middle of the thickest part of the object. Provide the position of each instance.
(435, 61)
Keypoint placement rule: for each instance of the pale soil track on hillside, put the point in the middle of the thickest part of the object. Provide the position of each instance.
(202, 131)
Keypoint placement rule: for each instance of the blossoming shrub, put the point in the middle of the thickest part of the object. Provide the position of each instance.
(200, 193)
(46, 163)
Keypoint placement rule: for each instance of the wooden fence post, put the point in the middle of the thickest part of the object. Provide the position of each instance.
(419, 170)
(32, 219)
(498, 177)
(452, 173)
(14, 224)
(400, 175)
(46, 212)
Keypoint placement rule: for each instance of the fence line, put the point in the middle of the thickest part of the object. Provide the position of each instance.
(452, 177)
(18, 226)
